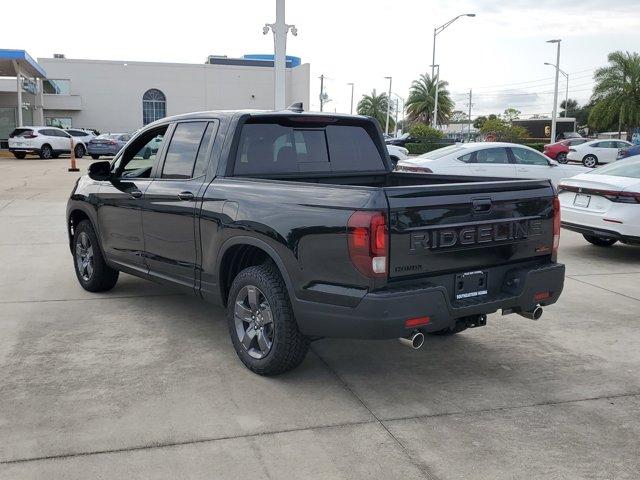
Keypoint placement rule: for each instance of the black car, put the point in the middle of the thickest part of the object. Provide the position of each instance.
(299, 226)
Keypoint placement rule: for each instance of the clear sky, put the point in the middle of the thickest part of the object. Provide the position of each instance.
(500, 53)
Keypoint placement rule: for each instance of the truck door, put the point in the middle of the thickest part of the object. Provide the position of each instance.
(168, 221)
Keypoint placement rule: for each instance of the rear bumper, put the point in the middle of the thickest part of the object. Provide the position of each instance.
(24, 149)
(381, 315)
(600, 233)
(93, 150)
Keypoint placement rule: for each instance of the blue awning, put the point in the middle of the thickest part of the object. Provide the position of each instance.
(28, 66)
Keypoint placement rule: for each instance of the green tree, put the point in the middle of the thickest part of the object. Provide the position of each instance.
(479, 121)
(425, 132)
(375, 106)
(503, 131)
(511, 114)
(457, 116)
(571, 106)
(616, 95)
(421, 100)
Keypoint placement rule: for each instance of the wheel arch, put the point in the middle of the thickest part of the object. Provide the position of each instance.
(75, 216)
(238, 253)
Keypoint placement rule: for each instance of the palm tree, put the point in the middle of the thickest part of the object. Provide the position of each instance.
(421, 96)
(570, 105)
(616, 95)
(375, 106)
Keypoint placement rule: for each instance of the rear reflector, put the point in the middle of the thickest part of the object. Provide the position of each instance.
(541, 296)
(416, 322)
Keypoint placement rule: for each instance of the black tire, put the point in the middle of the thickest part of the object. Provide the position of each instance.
(79, 151)
(562, 158)
(20, 155)
(46, 152)
(450, 330)
(590, 161)
(95, 157)
(599, 241)
(101, 276)
(288, 346)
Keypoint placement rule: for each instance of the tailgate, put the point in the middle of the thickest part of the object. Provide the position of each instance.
(462, 227)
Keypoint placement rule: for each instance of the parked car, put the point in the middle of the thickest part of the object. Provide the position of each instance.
(107, 144)
(567, 135)
(596, 152)
(288, 219)
(558, 151)
(397, 153)
(629, 152)
(490, 159)
(46, 142)
(401, 141)
(82, 137)
(604, 204)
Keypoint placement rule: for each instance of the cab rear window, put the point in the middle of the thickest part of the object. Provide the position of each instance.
(270, 148)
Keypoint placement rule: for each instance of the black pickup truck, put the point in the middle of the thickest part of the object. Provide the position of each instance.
(298, 225)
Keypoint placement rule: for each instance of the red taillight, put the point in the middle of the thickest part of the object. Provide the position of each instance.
(112, 142)
(556, 228)
(541, 296)
(416, 322)
(367, 237)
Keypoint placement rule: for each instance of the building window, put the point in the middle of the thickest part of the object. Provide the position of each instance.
(154, 106)
(60, 122)
(56, 87)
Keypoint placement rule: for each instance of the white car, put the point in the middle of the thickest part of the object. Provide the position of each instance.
(82, 136)
(604, 204)
(490, 159)
(47, 142)
(397, 153)
(592, 153)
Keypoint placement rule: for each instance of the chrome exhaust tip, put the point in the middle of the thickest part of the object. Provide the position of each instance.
(534, 314)
(415, 340)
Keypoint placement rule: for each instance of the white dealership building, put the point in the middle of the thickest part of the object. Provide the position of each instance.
(122, 96)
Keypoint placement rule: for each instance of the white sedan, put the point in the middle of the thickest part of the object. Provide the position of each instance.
(397, 153)
(490, 159)
(604, 204)
(592, 153)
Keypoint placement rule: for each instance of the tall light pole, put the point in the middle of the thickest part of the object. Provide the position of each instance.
(398, 97)
(435, 97)
(386, 128)
(555, 92)
(566, 94)
(352, 85)
(280, 30)
(322, 98)
(439, 29)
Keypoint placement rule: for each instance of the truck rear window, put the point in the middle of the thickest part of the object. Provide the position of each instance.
(269, 148)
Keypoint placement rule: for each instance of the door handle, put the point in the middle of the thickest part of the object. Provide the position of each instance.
(186, 196)
(135, 193)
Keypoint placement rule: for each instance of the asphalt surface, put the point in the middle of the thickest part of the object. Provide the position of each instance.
(142, 382)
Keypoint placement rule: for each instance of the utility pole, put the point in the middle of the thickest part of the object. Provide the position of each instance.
(435, 99)
(321, 92)
(280, 30)
(470, 104)
(395, 130)
(386, 128)
(352, 85)
(555, 93)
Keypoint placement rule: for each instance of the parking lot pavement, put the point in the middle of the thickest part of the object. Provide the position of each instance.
(143, 382)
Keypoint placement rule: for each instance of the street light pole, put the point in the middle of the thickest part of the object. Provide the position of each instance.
(566, 94)
(352, 85)
(435, 102)
(280, 30)
(555, 92)
(386, 128)
(321, 92)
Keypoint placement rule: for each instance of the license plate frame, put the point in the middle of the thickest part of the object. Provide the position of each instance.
(581, 200)
(471, 284)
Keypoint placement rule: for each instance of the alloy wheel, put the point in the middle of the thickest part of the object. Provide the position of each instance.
(84, 256)
(254, 321)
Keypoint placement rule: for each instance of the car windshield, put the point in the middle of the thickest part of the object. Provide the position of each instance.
(623, 168)
(441, 152)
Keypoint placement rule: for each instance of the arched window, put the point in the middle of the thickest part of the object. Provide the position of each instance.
(154, 106)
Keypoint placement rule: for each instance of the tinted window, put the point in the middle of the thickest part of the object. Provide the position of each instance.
(529, 157)
(466, 158)
(577, 141)
(202, 159)
(183, 149)
(441, 152)
(20, 132)
(272, 149)
(138, 158)
(492, 155)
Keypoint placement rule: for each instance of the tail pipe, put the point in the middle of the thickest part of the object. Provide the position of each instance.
(534, 314)
(415, 340)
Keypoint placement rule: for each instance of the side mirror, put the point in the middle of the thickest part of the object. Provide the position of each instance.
(100, 170)
(553, 163)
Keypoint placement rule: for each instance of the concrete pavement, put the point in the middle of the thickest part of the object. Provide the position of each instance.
(142, 382)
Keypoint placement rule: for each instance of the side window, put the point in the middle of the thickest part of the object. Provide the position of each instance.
(466, 158)
(183, 149)
(621, 145)
(529, 157)
(492, 155)
(202, 159)
(601, 145)
(137, 160)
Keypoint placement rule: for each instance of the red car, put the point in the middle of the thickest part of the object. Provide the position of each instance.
(558, 151)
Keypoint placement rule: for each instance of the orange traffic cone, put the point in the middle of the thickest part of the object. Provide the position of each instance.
(73, 167)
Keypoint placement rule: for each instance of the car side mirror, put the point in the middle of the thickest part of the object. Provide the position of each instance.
(100, 170)
(553, 163)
